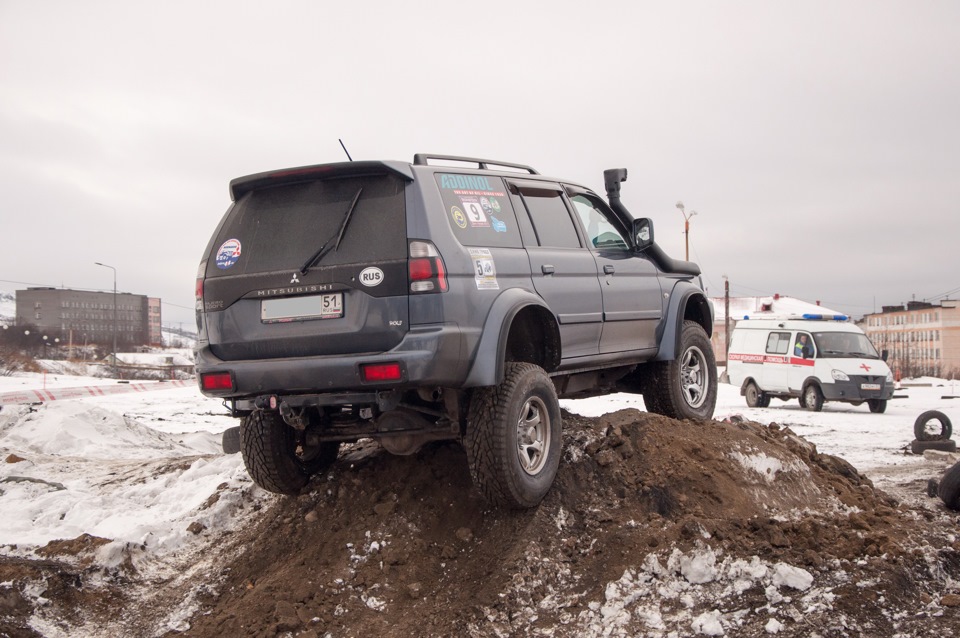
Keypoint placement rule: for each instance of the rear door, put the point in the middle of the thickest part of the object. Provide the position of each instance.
(307, 265)
(564, 272)
(775, 376)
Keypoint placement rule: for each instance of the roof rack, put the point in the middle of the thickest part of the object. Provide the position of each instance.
(422, 159)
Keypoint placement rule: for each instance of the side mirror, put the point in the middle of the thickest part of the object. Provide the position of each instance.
(884, 354)
(642, 233)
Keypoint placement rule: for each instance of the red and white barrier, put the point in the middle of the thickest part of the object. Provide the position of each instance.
(56, 394)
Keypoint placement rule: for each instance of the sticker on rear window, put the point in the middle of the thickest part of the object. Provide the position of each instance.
(458, 216)
(228, 254)
(475, 212)
(484, 270)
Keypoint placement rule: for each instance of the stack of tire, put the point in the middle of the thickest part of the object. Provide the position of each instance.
(932, 430)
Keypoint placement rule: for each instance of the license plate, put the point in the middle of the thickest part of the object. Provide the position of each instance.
(869, 386)
(328, 306)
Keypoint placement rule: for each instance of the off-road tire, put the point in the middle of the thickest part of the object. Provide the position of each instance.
(949, 488)
(877, 406)
(230, 441)
(274, 459)
(497, 450)
(686, 387)
(919, 447)
(812, 398)
(922, 432)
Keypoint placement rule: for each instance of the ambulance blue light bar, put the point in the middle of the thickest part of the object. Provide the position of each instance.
(816, 317)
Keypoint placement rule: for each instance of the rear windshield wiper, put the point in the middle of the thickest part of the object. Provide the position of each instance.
(326, 247)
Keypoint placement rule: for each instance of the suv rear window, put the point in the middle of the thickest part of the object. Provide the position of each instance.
(281, 227)
(479, 211)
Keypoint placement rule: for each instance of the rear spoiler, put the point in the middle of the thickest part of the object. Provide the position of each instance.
(242, 185)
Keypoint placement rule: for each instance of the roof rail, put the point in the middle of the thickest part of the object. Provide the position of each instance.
(422, 159)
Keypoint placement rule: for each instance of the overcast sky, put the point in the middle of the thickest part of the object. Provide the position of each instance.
(819, 142)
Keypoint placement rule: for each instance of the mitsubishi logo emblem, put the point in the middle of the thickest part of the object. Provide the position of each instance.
(295, 279)
(865, 367)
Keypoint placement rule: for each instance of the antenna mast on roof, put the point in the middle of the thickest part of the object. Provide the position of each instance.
(345, 149)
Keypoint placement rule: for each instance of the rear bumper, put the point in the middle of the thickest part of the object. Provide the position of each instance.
(428, 356)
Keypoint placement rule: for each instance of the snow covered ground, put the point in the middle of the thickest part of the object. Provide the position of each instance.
(145, 469)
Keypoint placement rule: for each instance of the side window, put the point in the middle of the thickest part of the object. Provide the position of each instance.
(601, 232)
(551, 219)
(803, 346)
(778, 343)
(479, 210)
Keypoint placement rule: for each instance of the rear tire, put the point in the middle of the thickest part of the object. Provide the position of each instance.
(274, 458)
(877, 406)
(755, 398)
(752, 395)
(513, 437)
(686, 387)
(812, 398)
(924, 431)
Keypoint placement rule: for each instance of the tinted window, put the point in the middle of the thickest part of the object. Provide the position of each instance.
(551, 220)
(281, 227)
(479, 210)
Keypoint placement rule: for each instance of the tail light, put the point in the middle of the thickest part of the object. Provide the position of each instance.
(216, 381)
(381, 372)
(426, 269)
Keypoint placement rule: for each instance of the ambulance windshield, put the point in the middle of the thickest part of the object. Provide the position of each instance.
(844, 344)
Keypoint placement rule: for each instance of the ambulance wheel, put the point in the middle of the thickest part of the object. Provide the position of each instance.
(924, 428)
(949, 487)
(812, 398)
(752, 394)
(877, 406)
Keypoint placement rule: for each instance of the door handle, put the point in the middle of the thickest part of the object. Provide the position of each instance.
(546, 269)
(608, 269)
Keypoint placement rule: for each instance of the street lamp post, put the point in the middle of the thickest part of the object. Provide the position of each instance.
(114, 311)
(686, 226)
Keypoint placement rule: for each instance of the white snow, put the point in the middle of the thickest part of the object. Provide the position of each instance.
(138, 469)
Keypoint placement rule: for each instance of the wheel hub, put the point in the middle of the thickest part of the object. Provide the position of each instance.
(693, 377)
(533, 435)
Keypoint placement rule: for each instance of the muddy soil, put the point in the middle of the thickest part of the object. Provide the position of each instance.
(654, 527)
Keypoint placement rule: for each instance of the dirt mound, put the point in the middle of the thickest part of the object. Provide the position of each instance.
(654, 527)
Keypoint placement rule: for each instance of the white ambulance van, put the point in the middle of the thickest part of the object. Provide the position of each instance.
(813, 358)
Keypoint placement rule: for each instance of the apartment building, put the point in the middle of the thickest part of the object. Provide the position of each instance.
(920, 338)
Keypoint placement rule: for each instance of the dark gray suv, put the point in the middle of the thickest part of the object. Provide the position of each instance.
(451, 298)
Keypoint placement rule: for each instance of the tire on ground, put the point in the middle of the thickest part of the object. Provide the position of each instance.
(230, 441)
(923, 431)
(273, 457)
(812, 398)
(949, 488)
(753, 395)
(919, 447)
(877, 406)
(686, 387)
(513, 437)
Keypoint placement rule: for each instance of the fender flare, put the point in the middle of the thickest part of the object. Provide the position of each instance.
(746, 382)
(684, 293)
(487, 368)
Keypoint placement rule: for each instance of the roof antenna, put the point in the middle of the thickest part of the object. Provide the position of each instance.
(345, 149)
